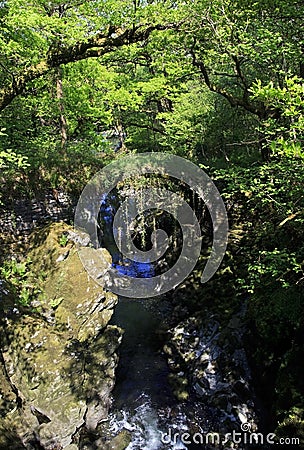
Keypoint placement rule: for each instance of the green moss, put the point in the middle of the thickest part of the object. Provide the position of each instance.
(62, 358)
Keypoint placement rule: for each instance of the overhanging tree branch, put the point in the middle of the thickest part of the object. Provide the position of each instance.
(94, 48)
(260, 110)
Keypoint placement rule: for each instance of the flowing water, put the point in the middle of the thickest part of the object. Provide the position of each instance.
(142, 395)
(143, 401)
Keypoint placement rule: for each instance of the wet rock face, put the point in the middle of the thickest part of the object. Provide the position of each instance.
(210, 361)
(59, 358)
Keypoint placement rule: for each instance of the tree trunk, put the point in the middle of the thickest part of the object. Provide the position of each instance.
(62, 119)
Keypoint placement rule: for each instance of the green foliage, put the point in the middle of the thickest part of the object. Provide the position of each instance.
(33, 133)
(20, 281)
(151, 95)
(266, 203)
(285, 135)
(63, 240)
(271, 267)
(271, 199)
(55, 302)
(186, 128)
(11, 162)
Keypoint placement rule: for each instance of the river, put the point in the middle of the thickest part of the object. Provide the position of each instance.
(143, 401)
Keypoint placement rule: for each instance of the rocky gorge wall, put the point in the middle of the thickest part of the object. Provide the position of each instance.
(57, 353)
(19, 217)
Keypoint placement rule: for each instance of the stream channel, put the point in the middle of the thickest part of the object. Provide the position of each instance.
(143, 402)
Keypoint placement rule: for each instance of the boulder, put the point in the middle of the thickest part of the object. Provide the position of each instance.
(58, 353)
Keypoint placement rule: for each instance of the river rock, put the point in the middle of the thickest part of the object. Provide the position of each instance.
(213, 360)
(59, 359)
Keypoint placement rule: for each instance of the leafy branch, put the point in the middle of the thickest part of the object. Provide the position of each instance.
(95, 47)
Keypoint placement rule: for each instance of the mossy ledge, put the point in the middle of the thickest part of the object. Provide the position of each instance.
(58, 354)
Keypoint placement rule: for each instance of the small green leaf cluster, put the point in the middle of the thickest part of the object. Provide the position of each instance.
(55, 302)
(284, 134)
(10, 159)
(20, 280)
(63, 240)
(276, 266)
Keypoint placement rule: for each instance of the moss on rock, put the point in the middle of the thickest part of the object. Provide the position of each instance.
(61, 359)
